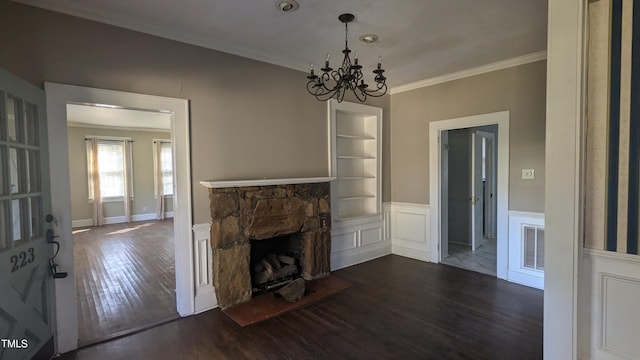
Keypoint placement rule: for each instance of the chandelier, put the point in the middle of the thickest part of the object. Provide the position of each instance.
(336, 83)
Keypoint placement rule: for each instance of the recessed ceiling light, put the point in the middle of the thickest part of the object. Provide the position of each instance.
(369, 38)
(287, 5)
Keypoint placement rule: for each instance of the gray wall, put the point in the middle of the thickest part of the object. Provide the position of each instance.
(142, 154)
(521, 90)
(249, 120)
(459, 177)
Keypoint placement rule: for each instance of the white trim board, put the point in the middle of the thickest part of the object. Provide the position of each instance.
(205, 294)
(518, 273)
(499, 65)
(119, 219)
(410, 230)
(356, 243)
(214, 184)
(58, 96)
(435, 129)
(609, 290)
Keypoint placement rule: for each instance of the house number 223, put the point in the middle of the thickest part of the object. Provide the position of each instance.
(22, 259)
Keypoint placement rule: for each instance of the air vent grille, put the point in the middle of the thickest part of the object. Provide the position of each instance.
(533, 247)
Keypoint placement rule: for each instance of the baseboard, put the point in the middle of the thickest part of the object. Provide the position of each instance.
(526, 278)
(119, 219)
(410, 253)
(81, 223)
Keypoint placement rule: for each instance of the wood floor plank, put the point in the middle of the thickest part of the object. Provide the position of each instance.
(398, 308)
(125, 278)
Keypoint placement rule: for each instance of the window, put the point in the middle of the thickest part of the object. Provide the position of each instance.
(111, 169)
(163, 166)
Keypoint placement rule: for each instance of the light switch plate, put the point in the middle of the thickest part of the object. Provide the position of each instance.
(528, 174)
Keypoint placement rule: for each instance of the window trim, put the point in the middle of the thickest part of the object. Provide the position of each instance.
(155, 178)
(111, 199)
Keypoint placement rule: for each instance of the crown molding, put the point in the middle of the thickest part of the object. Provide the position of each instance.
(499, 65)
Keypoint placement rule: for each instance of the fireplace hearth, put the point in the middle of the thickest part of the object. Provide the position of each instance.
(255, 229)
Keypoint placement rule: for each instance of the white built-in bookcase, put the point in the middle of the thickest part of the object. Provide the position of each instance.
(356, 148)
(355, 136)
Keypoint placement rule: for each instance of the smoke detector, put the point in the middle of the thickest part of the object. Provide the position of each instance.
(287, 5)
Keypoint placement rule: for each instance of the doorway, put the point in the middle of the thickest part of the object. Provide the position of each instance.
(438, 232)
(121, 173)
(58, 97)
(468, 201)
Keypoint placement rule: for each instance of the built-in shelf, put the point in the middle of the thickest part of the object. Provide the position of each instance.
(355, 137)
(357, 219)
(355, 133)
(355, 157)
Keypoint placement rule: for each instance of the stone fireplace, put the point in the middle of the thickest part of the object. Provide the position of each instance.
(298, 211)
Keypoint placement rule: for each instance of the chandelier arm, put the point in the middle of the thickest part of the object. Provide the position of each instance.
(315, 89)
(341, 96)
(380, 91)
(324, 95)
(326, 77)
(360, 95)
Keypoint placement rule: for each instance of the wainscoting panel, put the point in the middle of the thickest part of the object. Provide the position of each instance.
(354, 242)
(342, 242)
(612, 305)
(521, 226)
(409, 230)
(371, 236)
(205, 297)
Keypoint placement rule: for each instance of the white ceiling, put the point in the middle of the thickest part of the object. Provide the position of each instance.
(419, 39)
(107, 117)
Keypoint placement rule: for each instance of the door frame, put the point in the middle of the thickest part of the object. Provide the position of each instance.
(58, 96)
(435, 129)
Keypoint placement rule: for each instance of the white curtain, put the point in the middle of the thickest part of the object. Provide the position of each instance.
(94, 181)
(159, 190)
(126, 155)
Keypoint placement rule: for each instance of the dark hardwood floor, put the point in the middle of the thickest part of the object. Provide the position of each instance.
(398, 308)
(125, 278)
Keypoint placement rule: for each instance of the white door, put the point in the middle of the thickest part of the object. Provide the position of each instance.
(478, 184)
(26, 281)
(490, 203)
(444, 194)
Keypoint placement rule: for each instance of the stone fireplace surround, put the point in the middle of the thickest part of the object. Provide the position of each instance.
(264, 209)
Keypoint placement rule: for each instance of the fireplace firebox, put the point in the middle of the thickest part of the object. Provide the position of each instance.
(275, 232)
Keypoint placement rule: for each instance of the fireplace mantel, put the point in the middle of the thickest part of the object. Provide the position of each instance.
(212, 184)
